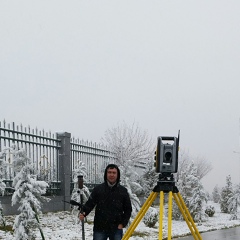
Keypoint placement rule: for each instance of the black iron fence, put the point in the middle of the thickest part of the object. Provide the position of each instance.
(94, 156)
(54, 157)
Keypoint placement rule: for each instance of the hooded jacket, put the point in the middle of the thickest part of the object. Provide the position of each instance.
(112, 204)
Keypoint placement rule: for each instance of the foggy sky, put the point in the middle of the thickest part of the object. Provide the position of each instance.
(86, 66)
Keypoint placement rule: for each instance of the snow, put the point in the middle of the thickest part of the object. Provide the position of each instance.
(63, 225)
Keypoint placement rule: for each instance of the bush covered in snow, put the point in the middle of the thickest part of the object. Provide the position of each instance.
(210, 210)
(79, 170)
(151, 217)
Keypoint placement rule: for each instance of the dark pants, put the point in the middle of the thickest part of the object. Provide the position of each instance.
(117, 235)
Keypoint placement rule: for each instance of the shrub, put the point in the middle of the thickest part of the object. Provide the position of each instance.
(151, 217)
(210, 210)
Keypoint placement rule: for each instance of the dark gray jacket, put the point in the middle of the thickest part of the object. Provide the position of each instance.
(112, 204)
(113, 207)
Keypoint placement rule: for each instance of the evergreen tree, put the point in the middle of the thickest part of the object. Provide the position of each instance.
(28, 194)
(196, 203)
(226, 194)
(216, 194)
(208, 196)
(233, 203)
(192, 193)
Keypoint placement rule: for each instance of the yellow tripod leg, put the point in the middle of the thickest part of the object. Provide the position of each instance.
(187, 216)
(140, 215)
(170, 216)
(160, 232)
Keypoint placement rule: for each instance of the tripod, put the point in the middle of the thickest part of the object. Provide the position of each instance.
(166, 184)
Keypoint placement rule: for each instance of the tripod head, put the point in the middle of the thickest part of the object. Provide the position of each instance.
(166, 177)
(166, 183)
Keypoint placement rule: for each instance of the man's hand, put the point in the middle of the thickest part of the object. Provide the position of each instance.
(120, 226)
(81, 216)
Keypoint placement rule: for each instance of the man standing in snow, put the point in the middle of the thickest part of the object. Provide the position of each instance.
(113, 206)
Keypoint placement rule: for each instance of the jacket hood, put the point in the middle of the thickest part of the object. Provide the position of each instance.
(112, 166)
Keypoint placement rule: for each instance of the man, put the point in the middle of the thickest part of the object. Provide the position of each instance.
(112, 206)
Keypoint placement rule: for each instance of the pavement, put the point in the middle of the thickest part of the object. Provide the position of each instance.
(223, 234)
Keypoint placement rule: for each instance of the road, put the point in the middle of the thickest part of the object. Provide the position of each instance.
(223, 234)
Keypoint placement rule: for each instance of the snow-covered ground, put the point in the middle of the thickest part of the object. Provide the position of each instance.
(62, 225)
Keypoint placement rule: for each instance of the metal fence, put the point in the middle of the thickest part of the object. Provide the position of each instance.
(41, 147)
(45, 150)
(94, 156)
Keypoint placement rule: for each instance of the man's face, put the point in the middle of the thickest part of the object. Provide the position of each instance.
(112, 175)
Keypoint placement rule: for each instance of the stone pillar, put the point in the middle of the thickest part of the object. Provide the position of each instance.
(64, 167)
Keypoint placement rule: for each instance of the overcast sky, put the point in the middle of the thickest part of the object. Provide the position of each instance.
(86, 66)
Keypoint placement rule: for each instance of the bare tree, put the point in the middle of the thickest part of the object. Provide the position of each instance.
(129, 143)
(203, 166)
(132, 149)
